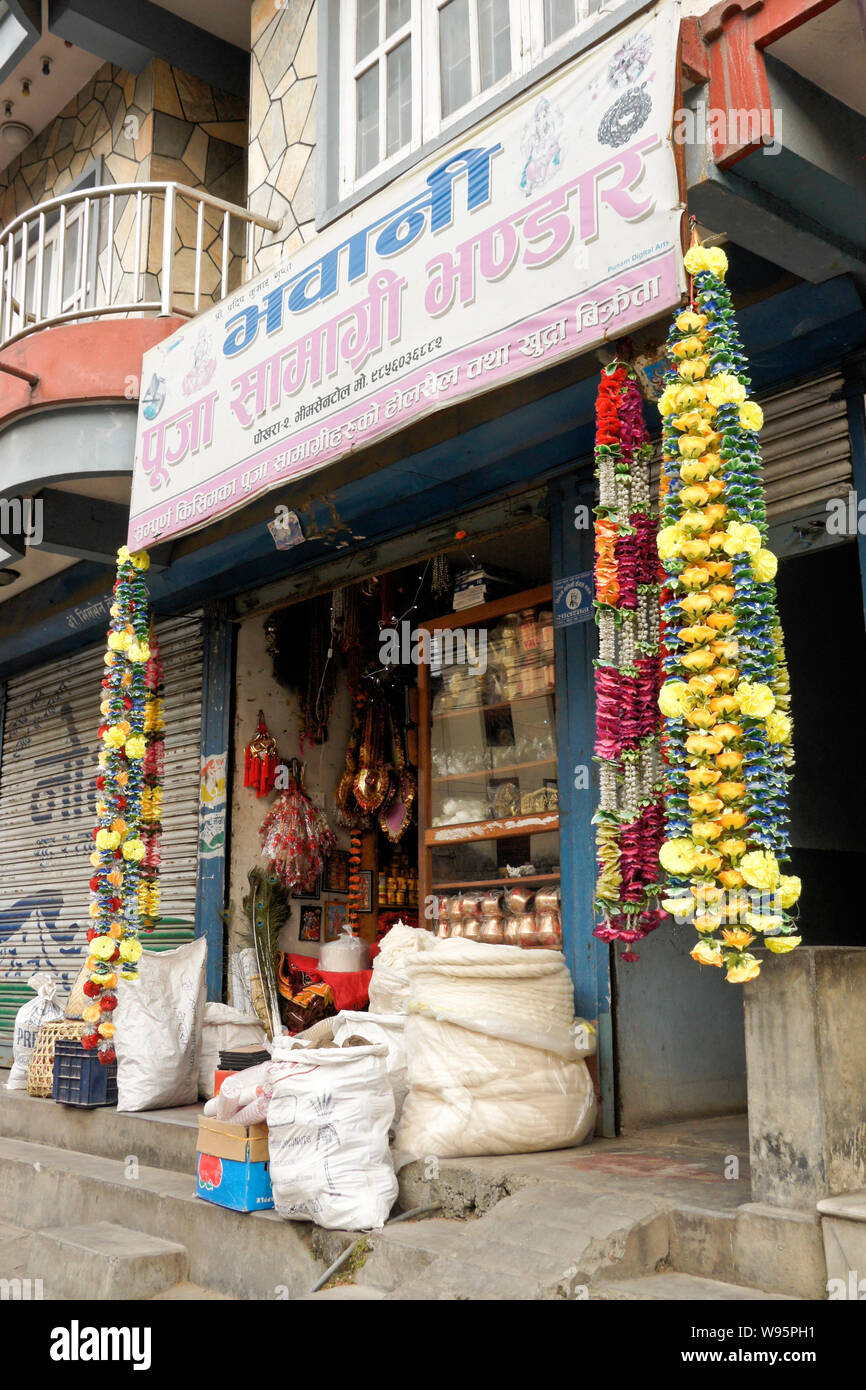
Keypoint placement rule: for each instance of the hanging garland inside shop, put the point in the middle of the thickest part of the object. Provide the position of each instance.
(629, 819)
(151, 796)
(119, 849)
(726, 696)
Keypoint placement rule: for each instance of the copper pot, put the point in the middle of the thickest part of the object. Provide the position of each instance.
(492, 931)
(511, 931)
(443, 928)
(455, 926)
(526, 932)
(549, 930)
(471, 928)
(491, 905)
(470, 905)
(547, 899)
(519, 900)
(454, 909)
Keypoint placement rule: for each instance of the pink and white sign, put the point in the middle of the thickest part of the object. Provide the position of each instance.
(538, 235)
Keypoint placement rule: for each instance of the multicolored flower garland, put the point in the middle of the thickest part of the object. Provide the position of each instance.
(628, 671)
(726, 696)
(119, 850)
(151, 797)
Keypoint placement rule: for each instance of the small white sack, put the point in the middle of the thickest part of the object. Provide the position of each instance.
(328, 1124)
(28, 1021)
(159, 1021)
(222, 1028)
(389, 1029)
(346, 954)
(389, 987)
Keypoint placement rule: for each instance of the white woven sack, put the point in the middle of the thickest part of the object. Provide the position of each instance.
(158, 1020)
(389, 1029)
(328, 1123)
(224, 1028)
(389, 986)
(492, 1062)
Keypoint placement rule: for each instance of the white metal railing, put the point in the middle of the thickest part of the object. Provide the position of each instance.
(133, 248)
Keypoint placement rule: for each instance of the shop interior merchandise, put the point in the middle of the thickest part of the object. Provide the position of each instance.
(434, 803)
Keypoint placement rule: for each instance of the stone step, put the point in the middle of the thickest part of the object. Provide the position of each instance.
(192, 1293)
(843, 1229)
(775, 1248)
(108, 1261)
(542, 1242)
(159, 1138)
(672, 1286)
(270, 1258)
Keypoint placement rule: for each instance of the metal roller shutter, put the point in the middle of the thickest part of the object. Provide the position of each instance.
(806, 449)
(806, 455)
(47, 793)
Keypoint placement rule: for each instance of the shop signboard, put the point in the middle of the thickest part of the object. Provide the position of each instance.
(546, 230)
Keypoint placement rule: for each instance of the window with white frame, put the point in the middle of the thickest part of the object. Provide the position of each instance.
(411, 68)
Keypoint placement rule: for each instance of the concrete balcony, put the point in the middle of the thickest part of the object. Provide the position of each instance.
(127, 250)
(88, 283)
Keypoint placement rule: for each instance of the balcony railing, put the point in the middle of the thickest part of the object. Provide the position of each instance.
(129, 249)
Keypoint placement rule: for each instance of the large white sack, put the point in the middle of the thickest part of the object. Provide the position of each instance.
(28, 1020)
(389, 986)
(328, 1123)
(492, 1058)
(380, 1028)
(223, 1028)
(159, 1020)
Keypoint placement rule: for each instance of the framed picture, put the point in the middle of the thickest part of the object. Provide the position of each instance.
(337, 871)
(365, 890)
(314, 892)
(335, 916)
(311, 924)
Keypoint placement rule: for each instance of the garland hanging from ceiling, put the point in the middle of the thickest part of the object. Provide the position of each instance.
(629, 819)
(114, 947)
(726, 696)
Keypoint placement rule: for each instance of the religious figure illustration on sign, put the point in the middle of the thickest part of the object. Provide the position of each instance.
(540, 145)
(203, 365)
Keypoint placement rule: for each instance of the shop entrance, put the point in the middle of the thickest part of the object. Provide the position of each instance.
(439, 675)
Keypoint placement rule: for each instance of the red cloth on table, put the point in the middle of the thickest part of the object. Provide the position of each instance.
(351, 987)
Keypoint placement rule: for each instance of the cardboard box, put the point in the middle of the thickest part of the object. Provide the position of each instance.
(229, 1183)
(238, 1143)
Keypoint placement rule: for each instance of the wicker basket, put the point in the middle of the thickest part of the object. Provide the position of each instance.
(40, 1073)
(78, 1000)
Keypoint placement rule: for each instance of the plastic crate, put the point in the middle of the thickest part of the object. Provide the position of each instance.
(81, 1079)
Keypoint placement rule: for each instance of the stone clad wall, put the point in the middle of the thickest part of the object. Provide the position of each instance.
(161, 124)
(282, 167)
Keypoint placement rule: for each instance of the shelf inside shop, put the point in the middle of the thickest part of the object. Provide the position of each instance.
(534, 823)
(492, 771)
(476, 708)
(496, 882)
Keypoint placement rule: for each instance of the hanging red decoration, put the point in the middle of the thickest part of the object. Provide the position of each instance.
(260, 764)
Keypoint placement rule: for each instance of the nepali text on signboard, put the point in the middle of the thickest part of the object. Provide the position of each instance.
(543, 232)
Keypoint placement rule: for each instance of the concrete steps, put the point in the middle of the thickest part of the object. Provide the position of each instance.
(843, 1226)
(269, 1257)
(109, 1261)
(157, 1139)
(673, 1286)
(566, 1225)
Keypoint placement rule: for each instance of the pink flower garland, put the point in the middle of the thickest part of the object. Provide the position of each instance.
(630, 825)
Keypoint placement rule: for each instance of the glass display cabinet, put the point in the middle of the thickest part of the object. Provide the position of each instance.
(488, 809)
